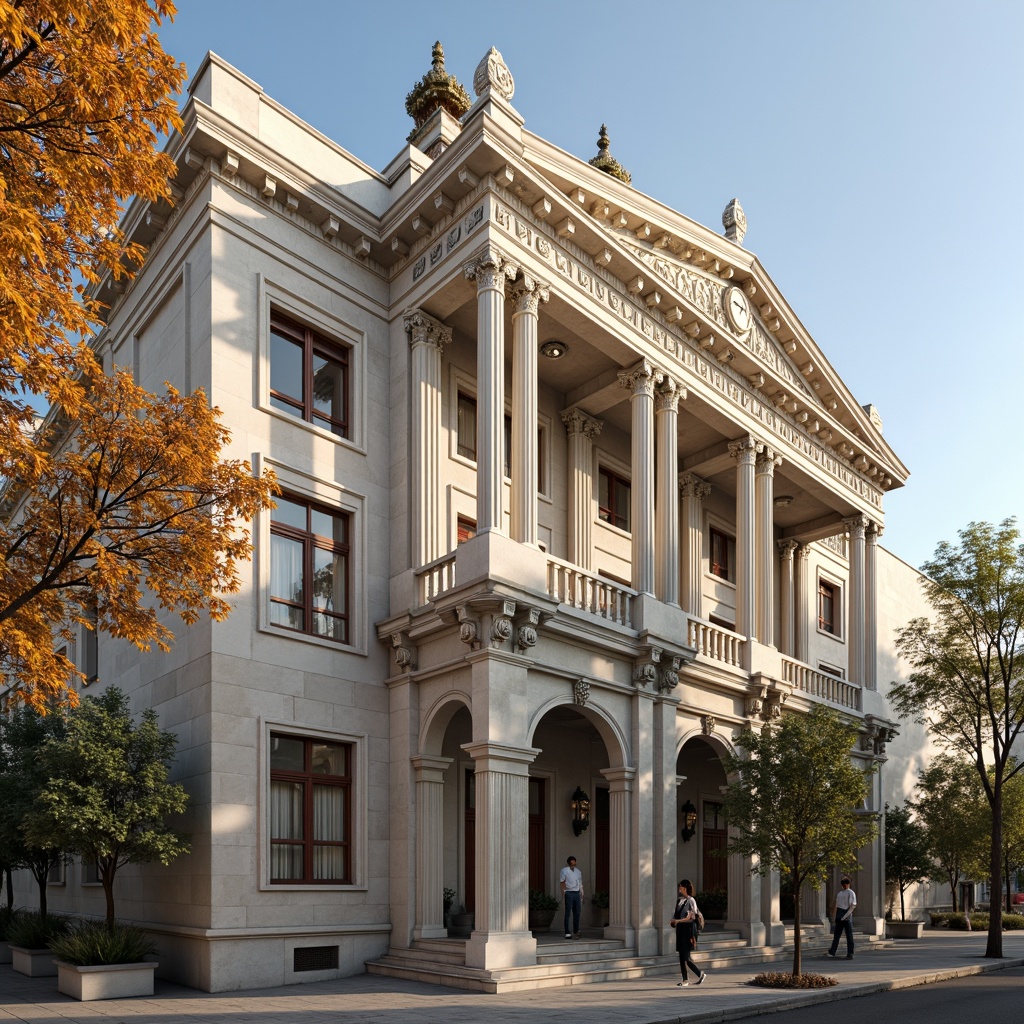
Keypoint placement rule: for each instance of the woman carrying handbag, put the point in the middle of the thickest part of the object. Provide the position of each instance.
(684, 920)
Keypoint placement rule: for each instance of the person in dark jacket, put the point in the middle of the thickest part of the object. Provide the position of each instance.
(684, 920)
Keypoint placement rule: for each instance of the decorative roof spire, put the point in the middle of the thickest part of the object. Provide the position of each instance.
(436, 90)
(734, 220)
(604, 161)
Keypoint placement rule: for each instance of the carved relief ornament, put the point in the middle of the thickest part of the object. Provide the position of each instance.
(578, 422)
(423, 329)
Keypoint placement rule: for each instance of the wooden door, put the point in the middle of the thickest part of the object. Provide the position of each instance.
(715, 866)
(538, 848)
(469, 842)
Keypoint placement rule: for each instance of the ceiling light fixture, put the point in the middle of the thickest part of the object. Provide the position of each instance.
(554, 349)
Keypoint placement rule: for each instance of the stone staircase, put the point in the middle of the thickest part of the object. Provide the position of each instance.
(588, 960)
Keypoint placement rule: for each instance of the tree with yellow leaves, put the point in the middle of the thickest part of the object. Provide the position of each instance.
(119, 504)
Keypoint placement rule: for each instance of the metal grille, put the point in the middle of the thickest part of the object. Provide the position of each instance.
(315, 958)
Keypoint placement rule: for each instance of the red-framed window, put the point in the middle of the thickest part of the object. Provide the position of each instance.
(309, 375)
(722, 560)
(613, 496)
(309, 568)
(828, 607)
(310, 810)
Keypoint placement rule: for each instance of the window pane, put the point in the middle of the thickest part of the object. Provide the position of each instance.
(467, 427)
(285, 810)
(603, 486)
(330, 759)
(329, 813)
(286, 579)
(328, 581)
(329, 391)
(323, 524)
(329, 863)
(622, 505)
(285, 862)
(286, 753)
(290, 513)
(285, 370)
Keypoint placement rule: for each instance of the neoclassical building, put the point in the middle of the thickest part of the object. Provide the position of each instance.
(569, 497)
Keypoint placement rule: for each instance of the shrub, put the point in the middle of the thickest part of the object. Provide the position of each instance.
(93, 943)
(7, 915)
(712, 901)
(31, 930)
(600, 899)
(938, 919)
(541, 900)
(784, 979)
(1013, 922)
(448, 895)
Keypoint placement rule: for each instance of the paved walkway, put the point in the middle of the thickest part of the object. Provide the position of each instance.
(724, 996)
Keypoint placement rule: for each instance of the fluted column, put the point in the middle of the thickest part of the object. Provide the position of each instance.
(620, 825)
(641, 380)
(490, 270)
(787, 593)
(874, 531)
(666, 506)
(527, 295)
(764, 573)
(581, 430)
(745, 454)
(804, 610)
(855, 617)
(694, 493)
(427, 338)
(429, 775)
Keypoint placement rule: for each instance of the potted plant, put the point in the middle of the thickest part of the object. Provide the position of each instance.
(29, 936)
(449, 899)
(601, 904)
(542, 910)
(713, 903)
(95, 961)
(460, 924)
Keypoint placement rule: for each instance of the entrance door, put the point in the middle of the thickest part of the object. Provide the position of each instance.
(715, 864)
(469, 841)
(538, 850)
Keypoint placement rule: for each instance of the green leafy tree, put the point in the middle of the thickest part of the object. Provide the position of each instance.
(954, 812)
(23, 732)
(1013, 835)
(908, 859)
(793, 799)
(108, 794)
(967, 686)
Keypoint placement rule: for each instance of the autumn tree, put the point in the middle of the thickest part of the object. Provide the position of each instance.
(968, 680)
(952, 808)
(120, 505)
(107, 794)
(792, 804)
(908, 858)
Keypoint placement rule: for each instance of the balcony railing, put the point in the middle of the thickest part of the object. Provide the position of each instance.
(436, 577)
(586, 591)
(821, 685)
(715, 642)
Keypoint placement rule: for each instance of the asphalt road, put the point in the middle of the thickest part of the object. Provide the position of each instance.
(994, 998)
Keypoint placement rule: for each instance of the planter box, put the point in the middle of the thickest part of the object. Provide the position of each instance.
(109, 981)
(36, 963)
(904, 929)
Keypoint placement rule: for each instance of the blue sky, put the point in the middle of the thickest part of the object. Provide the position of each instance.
(876, 148)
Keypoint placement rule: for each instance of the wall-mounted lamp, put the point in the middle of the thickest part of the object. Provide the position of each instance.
(554, 349)
(580, 811)
(689, 821)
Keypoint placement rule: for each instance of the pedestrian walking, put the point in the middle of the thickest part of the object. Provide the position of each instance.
(842, 909)
(571, 881)
(684, 920)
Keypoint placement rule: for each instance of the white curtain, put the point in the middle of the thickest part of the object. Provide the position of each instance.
(285, 823)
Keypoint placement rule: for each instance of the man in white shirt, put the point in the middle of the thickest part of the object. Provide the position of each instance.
(845, 904)
(571, 881)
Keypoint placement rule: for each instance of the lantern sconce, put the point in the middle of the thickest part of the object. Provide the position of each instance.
(689, 821)
(580, 811)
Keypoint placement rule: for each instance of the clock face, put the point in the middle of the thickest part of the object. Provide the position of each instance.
(737, 309)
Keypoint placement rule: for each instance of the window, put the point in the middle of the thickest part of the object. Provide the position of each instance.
(465, 431)
(310, 810)
(309, 375)
(90, 647)
(828, 607)
(466, 529)
(722, 559)
(613, 499)
(90, 872)
(309, 568)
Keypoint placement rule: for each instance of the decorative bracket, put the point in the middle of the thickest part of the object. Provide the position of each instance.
(405, 652)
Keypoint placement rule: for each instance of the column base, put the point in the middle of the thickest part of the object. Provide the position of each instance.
(869, 925)
(430, 931)
(752, 931)
(621, 933)
(647, 942)
(491, 950)
(775, 934)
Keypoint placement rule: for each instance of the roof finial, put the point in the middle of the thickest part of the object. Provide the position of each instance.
(734, 220)
(436, 90)
(604, 161)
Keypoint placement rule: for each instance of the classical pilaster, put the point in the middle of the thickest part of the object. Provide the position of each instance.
(501, 936)
(641, 380)
(764, 573)
(427, 338)
(694, 493)
(663, 793)
(803, 606)
(744, 911)
(490, 269)
(527, 295)
(429, 776)
(745, 453)
(771, 911)
(666, 506)
(874, 531)
(787, 595)
(581, 430)
(857, 526)
(621, 828)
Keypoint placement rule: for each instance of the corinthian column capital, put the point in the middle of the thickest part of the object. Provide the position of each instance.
(691, 486)
(746, 450)
(856, 525)
(528, 293)
(423, 329)
(668, 395)
(641, 378)
(490, 268)
(578, 422)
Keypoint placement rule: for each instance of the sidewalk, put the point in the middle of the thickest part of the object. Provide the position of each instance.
(724, 996)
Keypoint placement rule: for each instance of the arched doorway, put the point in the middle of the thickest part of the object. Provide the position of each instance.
(702, 850)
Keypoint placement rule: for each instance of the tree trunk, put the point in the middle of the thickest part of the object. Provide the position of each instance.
(40, 876)
(994, 947)
(10, 888)
(1006, 876)
(903, 907)
(797, 964)
(953, 886)
(107, 878)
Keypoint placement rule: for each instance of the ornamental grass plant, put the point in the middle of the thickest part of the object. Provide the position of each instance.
(31, 930)
(94, 944)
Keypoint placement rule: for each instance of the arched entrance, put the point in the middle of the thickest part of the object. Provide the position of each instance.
(701, 852)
